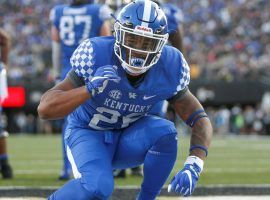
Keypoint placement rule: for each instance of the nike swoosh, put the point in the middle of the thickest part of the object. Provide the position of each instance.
(148, 97)
(190, 181)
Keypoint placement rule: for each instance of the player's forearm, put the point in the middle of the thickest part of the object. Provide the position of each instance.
(192, 112)
(56, 104)
(201, 136)
(5, 46)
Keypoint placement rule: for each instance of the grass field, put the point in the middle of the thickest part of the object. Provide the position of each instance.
(233, 160)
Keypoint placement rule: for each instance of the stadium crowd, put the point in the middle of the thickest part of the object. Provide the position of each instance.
(223, 39)
(226, 40)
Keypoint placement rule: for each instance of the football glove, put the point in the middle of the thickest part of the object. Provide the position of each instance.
(100, 79)
(184, 182)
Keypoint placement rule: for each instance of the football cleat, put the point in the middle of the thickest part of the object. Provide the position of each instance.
(6, 171)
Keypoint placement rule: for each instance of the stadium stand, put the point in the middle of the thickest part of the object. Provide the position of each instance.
(227, 39)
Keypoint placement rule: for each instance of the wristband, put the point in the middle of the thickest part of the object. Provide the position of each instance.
(195, 116)
(199, 147)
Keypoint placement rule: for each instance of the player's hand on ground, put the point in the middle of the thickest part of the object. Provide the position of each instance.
(100, 79)
(184, 182)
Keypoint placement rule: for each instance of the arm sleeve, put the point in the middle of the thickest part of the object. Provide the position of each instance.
(184, 74)
(178, 96)
(75, 79)
(54, 17)
(83, 60)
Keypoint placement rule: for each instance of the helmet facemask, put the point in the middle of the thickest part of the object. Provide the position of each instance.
(138, 48)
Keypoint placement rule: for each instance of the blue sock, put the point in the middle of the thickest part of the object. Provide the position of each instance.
(158, 164)
(3, 157)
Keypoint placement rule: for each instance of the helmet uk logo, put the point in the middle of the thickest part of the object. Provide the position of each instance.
(115, 94)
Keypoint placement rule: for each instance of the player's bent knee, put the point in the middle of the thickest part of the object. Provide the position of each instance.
(100, 189)
(166, 144)
(164, 127)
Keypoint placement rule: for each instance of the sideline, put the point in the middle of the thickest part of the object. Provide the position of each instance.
(217, 192)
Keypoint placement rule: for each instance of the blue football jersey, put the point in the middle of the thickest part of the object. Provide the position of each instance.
(120, 103)
(174, 16)
(75, 24)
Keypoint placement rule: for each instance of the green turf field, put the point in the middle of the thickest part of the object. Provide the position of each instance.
(234, 160)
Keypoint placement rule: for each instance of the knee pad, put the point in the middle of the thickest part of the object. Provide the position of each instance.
(166, 144)
(3, 134)
(100, 188)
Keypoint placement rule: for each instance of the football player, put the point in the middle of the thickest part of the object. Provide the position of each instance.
(113, 84)
(72, 24)
(175, 27)
(5, 42)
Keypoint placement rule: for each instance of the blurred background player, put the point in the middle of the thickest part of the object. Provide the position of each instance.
(175, 18)
(5, 167)
(175, 26)
(72, 24)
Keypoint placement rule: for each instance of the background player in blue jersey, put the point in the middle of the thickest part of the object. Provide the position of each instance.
(175, 20)
(72, 24)
(5, 43)
(113, 84)
(175, 27)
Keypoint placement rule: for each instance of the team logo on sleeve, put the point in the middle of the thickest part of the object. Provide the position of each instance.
(115, 94)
